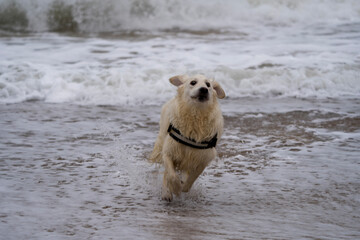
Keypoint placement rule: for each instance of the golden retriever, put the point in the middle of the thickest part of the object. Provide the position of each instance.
(190, 125)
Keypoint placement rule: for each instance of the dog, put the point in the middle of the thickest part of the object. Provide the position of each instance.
(190, 125)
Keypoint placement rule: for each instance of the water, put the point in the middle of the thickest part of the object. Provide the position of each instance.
(81, 88)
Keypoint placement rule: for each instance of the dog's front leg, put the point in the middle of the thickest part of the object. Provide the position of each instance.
(166, 194)
(192, 176)
(171, 182)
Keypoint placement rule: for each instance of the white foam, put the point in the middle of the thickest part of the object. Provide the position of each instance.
(113, 15)
(115, 86)
(270, 49)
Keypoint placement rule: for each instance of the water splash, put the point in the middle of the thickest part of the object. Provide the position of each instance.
(93, 16)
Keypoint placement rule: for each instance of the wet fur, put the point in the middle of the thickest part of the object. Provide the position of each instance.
(196, 120)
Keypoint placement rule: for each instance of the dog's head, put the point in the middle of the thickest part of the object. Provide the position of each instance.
(198, 89)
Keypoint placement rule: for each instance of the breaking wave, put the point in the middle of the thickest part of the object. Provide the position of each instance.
(278, 48)
(115, 86)
(93, 16)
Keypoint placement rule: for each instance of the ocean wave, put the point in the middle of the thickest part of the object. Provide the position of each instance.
(92, 16)
(280, 48)
(34, 82)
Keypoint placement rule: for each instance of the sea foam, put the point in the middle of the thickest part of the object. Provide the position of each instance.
(112, 15)
(302, 49)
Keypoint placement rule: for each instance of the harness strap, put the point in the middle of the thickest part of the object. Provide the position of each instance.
(176, 135)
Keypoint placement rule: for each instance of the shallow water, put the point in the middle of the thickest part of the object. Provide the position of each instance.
(287, 169)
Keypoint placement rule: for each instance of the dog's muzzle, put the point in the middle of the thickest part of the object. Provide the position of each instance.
(203, 94)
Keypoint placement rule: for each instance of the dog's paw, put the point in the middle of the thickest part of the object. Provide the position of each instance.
(186, 188)
(175, 185)
(166, 195)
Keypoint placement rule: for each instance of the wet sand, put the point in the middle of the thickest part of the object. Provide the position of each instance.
(287, 169)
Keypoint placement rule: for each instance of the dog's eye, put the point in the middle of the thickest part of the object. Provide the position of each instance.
(207, 84)
(193, 83)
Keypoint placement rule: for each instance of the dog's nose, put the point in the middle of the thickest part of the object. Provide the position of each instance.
(203, 90)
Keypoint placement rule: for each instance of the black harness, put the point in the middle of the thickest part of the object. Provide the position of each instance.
(177, 136)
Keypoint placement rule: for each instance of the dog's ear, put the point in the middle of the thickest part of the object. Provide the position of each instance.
(218, 89)
(177, 80)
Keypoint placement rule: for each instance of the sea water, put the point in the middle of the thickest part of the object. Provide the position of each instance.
(81, 88)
